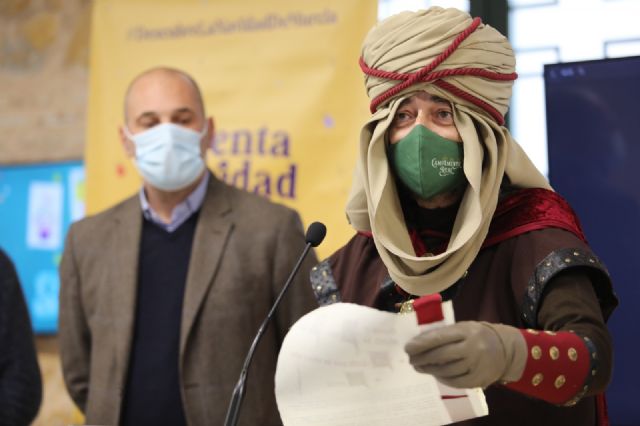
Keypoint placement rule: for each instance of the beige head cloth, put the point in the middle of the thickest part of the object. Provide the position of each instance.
(407, 43)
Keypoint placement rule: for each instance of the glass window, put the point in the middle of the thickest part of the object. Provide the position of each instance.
(552, 31)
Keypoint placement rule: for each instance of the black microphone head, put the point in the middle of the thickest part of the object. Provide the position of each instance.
(315, 234)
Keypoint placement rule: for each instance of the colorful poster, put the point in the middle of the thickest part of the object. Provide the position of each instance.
(280, 78)
(37, 206)
(44, 223)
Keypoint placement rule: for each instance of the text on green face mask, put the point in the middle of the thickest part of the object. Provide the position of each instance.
(446, 167)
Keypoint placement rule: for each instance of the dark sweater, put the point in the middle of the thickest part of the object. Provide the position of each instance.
(152, 394)
(20, 381)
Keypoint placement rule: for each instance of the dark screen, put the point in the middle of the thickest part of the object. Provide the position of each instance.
(593, 129)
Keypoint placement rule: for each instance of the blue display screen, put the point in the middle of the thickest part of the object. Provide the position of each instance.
(37, 205)
(593, 128)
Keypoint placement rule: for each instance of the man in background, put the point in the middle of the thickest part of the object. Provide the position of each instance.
(162, 294)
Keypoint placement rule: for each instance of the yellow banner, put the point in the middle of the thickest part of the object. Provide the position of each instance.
(280, 78)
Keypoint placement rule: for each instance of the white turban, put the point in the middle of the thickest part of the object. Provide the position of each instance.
(448, 54)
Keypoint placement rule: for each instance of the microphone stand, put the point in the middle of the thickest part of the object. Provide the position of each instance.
(239, 391)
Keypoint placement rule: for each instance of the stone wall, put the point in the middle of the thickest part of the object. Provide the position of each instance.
(43, 99)
(43, 79)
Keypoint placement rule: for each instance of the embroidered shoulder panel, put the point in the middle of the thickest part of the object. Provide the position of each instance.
(556, 262)
(323, 284)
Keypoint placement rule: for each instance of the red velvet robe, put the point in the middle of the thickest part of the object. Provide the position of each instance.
(535, 270)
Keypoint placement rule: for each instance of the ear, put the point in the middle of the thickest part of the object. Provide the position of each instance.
(127, 144)
(207, 140)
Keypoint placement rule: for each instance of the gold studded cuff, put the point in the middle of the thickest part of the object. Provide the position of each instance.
(558, 366)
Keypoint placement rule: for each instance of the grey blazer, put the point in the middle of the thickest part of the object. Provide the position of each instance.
(243, 250)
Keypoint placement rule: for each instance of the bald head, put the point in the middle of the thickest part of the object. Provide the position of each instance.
(163, 95)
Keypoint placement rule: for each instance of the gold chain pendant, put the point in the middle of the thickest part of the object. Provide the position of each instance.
(406, 307)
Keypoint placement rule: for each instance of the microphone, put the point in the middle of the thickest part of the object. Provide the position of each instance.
(314, 236)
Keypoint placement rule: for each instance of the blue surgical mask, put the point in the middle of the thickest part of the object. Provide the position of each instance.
(168, 156)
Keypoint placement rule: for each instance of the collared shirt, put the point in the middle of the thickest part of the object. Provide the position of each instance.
(181, 212)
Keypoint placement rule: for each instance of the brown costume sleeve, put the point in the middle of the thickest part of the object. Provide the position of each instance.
(570, 303)
(569, 354)
(565, 297)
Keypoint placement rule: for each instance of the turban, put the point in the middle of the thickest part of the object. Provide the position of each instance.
(447, 54)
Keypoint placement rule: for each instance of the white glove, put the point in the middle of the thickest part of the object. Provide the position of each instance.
(470, 354)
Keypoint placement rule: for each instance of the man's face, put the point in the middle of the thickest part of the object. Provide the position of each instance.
(163, 97)
(432, 112)
(435, 114)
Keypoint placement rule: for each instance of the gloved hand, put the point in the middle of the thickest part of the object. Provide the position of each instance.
(469, 354)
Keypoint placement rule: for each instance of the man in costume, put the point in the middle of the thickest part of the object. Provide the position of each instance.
(162, 294)
(445, 202)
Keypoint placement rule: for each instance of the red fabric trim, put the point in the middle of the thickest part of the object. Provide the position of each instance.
(401, 291)
(435, 75)
(601, 410)
(412, 78)
(473, 99)
(416, 241)
(428, 308)
(425, 74)
(529, 210)
(520, 212)
(421, 248)
(555, 379)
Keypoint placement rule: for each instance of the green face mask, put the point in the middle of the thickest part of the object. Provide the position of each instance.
(426, 163)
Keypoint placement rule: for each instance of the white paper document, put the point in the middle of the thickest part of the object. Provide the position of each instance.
(345, 364)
